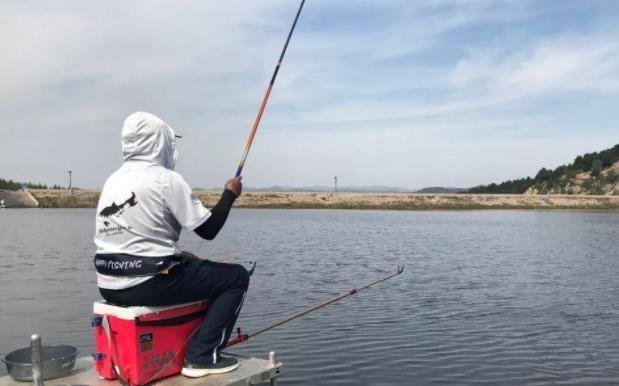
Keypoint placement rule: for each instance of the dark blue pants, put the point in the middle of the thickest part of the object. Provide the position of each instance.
(223, 285)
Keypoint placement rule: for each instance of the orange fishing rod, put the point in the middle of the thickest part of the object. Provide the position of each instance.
(252, 134)
(243, 337)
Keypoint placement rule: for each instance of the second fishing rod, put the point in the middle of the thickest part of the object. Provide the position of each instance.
(243, 337)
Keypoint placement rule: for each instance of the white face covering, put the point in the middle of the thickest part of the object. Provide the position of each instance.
(146, 137)
(172, 139)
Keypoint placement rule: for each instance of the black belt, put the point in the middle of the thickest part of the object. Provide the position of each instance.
(119, 264)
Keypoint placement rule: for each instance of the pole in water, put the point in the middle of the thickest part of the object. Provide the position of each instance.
(35, 357)
(252, 134)
(243, 337)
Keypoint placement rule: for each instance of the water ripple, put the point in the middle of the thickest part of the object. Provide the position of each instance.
(487, 298)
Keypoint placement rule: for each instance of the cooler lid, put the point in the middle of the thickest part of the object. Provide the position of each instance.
(131, 312)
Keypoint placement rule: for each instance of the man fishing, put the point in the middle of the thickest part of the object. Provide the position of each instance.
(142, 209)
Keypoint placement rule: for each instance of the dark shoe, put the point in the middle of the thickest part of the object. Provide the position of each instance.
(223, 365)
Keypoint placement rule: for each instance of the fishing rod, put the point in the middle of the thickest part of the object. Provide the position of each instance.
(243, 337)
(252, 134)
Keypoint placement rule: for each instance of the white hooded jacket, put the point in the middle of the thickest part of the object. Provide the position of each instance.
(145, 203)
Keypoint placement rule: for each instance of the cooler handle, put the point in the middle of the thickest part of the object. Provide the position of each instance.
(172, 321)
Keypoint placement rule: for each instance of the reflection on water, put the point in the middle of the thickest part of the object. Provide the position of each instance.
(488, 297)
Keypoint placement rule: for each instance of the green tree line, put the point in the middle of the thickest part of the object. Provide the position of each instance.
(16, 185)
(591, 162)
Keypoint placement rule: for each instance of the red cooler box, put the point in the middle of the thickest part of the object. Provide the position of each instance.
(144, 343)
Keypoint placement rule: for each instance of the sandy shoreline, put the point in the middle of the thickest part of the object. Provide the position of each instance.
(376, 201)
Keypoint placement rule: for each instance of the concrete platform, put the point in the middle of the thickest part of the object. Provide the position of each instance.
(251, 371)
(18, 199)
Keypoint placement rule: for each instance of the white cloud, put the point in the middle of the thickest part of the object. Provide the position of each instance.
(562, 63)
(387, 81)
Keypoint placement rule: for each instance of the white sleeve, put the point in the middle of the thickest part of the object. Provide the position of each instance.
(184, 206)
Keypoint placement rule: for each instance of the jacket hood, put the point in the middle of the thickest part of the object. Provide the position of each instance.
(146, 137)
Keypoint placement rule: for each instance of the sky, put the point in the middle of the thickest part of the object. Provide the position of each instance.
(392, 92)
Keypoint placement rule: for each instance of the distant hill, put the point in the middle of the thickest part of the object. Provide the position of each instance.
(440, 189)
(592, 173)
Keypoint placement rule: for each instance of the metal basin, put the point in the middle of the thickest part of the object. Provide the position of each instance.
(56, 361)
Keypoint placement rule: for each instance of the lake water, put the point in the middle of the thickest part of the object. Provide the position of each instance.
(487, 297)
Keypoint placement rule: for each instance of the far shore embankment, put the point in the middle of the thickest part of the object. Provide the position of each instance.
(377, 201)
(18, 199)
